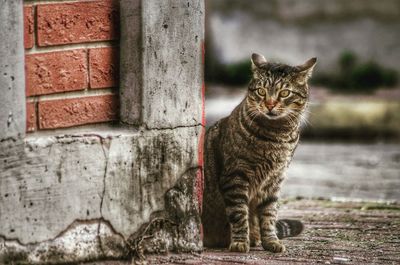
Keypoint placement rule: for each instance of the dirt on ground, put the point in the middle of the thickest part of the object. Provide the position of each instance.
(336, 233)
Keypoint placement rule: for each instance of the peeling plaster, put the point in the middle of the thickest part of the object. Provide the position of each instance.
(160, 159)
(77, 242)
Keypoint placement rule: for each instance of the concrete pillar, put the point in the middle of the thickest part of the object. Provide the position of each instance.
(12, 79)
(166, 71)
(173, 31)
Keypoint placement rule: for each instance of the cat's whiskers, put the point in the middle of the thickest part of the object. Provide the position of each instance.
(291, 117)
(301, 110)
(305, 120)
(254, 113)
(302, 116)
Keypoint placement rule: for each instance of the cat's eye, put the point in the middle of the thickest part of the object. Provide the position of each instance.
(261, 92)
(284, 93)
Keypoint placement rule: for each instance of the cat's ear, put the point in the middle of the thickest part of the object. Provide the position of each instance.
(305, 70)
(257, 60)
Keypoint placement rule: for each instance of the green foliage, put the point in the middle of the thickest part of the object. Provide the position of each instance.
(347, 60)
(390, 77)
(237, 73)
(354, 76)
(234, 74)
(368, 76)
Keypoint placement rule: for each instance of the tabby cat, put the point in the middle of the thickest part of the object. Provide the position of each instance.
(246, 155)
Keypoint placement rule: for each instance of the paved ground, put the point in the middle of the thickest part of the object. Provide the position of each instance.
(336, 233)
(346, 171)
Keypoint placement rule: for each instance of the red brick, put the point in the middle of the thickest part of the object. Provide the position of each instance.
(77, 111)
(103, 67)
(31, 120)
(55, 72)
(29, 27)
(77, 22)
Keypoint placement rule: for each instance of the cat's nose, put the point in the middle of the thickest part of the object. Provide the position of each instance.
(271, 104)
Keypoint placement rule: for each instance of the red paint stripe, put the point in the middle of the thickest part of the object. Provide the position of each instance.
(203, 112)
(200, 154)
(200, 175)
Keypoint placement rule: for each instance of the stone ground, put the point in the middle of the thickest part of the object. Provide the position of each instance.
(336, 233)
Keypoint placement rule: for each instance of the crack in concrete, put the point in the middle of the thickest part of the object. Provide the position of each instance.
(14, 139)
(113, 133)
(172, 128)
(146, 127)
(76, 222)
(106, 156)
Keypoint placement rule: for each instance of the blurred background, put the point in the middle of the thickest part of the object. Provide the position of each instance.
(350, 145)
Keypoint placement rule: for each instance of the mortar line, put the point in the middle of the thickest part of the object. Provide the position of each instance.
(35, 32)
(54, 1)
(88, 70)
(72, 46)
(73, 94)
(36, 104)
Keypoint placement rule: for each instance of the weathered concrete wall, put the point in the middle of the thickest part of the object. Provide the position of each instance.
(76, 195)
(12, 114)
(55, 191)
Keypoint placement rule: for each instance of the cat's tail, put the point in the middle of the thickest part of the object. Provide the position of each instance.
(288, 228)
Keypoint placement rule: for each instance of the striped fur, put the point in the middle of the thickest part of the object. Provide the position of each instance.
(246, 155)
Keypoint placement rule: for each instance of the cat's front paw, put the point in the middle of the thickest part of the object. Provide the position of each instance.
(239, 247)
(274, 246)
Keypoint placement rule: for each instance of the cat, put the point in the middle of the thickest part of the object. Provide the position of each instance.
(246, 155)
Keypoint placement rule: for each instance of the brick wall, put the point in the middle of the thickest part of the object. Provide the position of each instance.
(71, 62)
